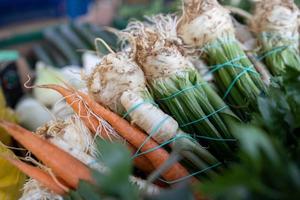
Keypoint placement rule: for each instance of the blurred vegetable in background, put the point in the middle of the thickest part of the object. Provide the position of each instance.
(11, 179)
(264, 171)
(6, 114)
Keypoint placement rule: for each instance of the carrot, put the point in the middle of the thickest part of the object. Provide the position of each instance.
(132, 134)
(39, 175)
(92, 123)
(63, 164)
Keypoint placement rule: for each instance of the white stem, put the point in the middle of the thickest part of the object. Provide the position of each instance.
(151, 119)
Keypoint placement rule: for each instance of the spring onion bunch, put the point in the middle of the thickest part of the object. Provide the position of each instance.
(276, 24)
(207, 27)
(178, 87)
(118, 83)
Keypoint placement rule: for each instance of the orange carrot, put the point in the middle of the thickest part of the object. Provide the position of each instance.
(39, 175)
(132, 134)
(92, 123)
(62, 164)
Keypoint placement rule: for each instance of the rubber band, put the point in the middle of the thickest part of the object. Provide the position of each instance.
(235, 80)
(164, 144)
(182, 91)
(133, 108)
(90, 164)
(274, 50)
(204, 118)
(215, 139)
(229, 62)
(192, 175)
(235, 66)
(153, 131)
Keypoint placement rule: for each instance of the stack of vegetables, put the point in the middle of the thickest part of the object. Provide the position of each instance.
(146, 125)
(178, 87)
(118, 83)
(64, 44)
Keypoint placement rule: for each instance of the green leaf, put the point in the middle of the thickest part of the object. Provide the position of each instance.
(88, 191)
(74, 195)
(254, 143)
(118, 159)
(264, 170)
(179, 193)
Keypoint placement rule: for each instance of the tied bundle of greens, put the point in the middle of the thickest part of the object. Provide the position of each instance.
(178, 87)
(276, 25)
(207, 27)
(118, 83)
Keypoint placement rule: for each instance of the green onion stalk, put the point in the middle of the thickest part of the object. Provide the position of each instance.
(206, 27)
(118, 83)
(276, 24)
(178, 87)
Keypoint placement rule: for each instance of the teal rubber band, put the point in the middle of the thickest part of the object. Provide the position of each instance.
(133, 108)
(274, 50)
(182, 91)
(233, 65)
(215, 139)
(163, 144)
(218, 66)
(204, 118)
(192, 175)
(153, 131)
(92, 163)
(235, 80)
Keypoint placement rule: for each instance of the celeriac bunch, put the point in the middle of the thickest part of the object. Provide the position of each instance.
(118, 83)
(207, 27)
(178, 87)
(276, 24)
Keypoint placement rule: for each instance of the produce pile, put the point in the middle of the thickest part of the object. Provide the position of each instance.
(192, 105)
(65, 43)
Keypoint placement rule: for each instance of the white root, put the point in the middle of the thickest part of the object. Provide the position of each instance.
(279, 17)
(203, 21)
(33, 190)
(115, 74)
(149, 118)
(167, 62)
(159, 50)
